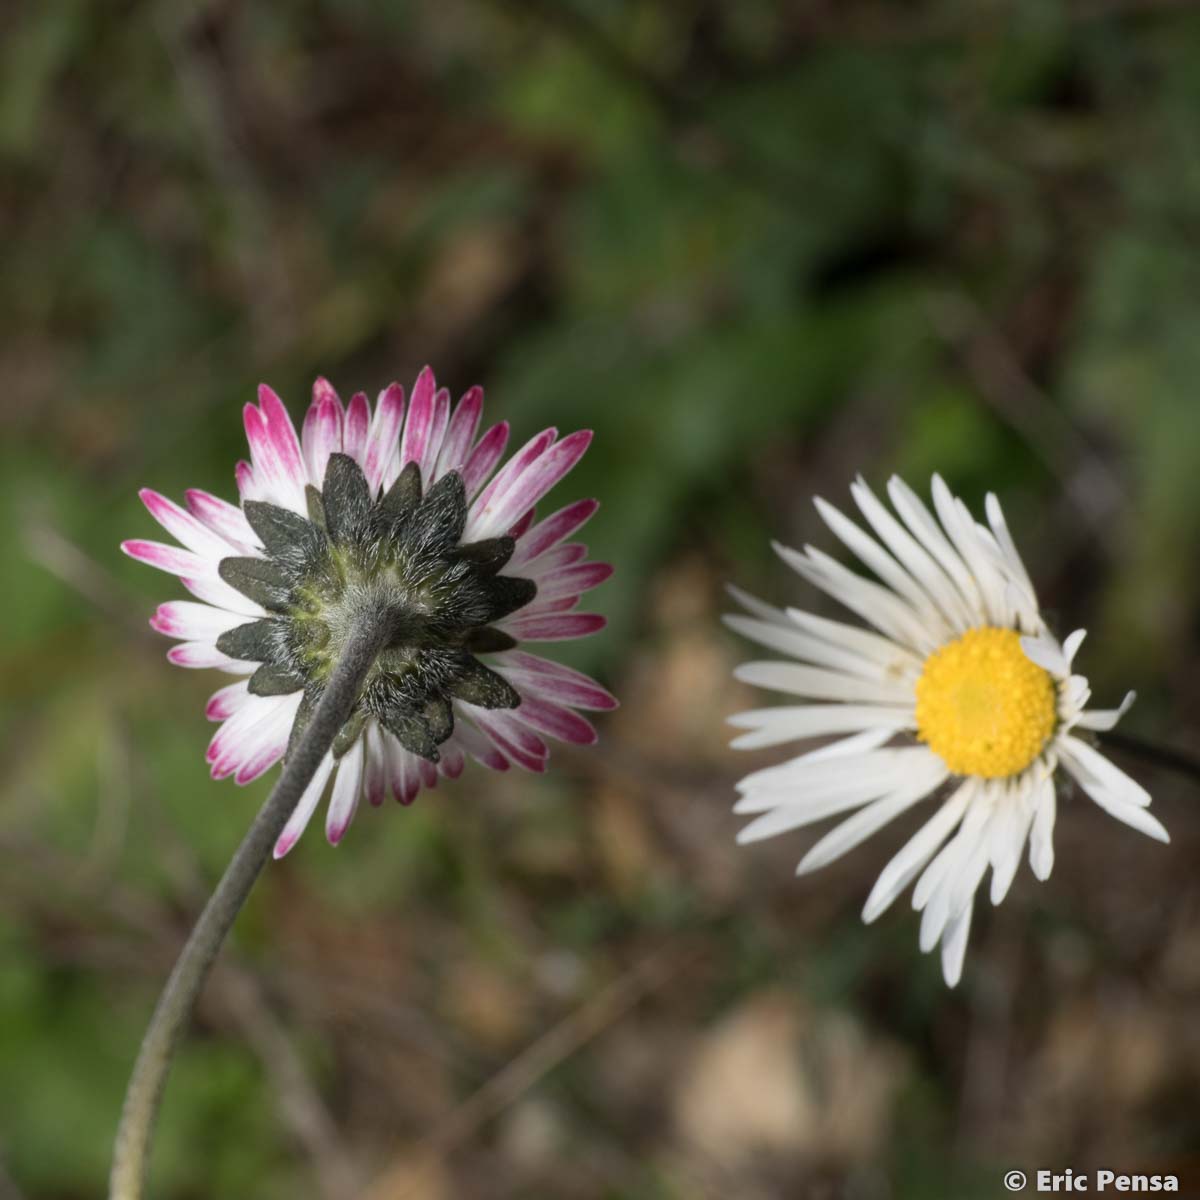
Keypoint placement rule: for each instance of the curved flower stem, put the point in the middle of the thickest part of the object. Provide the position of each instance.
(174, 1009)
(1161, 756)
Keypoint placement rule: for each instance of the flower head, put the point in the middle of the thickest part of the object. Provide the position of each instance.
(962, 687)
(405, 514)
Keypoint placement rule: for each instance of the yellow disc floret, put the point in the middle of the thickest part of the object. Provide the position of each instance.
(983, 706)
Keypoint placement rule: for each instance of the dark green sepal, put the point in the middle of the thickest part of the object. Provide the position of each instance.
(506, 593)
(481, 686)
(349, 733)
(256, 641)
(316, 507)
(402, 497)
(271, 680)
(412, 733)
(488, 556)
(279, 529)
(441, 517)
(347, 498)
(259, 579)
(439, 717)
(489, 640)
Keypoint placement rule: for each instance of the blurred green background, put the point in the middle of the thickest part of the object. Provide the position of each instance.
(758, 247)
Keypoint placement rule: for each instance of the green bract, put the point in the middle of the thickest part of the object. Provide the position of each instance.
(400, 554)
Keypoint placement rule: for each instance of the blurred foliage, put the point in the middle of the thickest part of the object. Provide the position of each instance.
(758, 248)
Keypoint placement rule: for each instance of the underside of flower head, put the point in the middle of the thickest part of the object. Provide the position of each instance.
(405, 512)
(399, 556)
(959, 685)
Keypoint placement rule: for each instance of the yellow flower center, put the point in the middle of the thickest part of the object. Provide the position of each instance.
(983, 706)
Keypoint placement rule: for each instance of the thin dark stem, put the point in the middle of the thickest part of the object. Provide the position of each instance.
(174, 1009)
(1161, 756)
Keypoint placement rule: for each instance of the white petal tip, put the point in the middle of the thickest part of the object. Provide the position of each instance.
(747, 741)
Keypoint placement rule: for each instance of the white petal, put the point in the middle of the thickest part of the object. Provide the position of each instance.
(925, 528)
(1008, 839)
(907, 863)
(880, 607)
(802, 776)
(758, 608)
(1136, 818)
(305, 809)
(1112, 789)
(1073, 694)
(794, 810)
(1041, 835)
(1022, 609)
(789, 640)
(873, 817)
(347, 789)
(975, 865)
(999, 526)
(871, 554)
(1101, 719)
(213, 590)
(1090, 766)
(1072, 643)
(936, 883)
(1047, 653)
(960, 528)
(774, 726)
(913, 556)
(890, 657)
(194, 622)
(816, 684)
(205, 655)
(956, 893)
(954, 946)
(870, 740)
(185, 528)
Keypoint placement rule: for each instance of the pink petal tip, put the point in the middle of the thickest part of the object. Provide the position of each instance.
(322, 389)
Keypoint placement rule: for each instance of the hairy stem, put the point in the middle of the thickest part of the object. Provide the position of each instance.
(174, 1008)
(1161, 756)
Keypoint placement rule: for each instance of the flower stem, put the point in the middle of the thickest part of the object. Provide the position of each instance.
(1161, 756)
(173, 1011)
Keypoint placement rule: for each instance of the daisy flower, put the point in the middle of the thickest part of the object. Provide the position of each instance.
(960, 689)
(409, 509)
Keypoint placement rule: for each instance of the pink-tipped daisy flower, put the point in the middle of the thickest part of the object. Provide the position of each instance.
(409, 508)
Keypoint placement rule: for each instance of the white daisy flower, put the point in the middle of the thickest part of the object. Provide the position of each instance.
(962, 689)
(407, 507)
